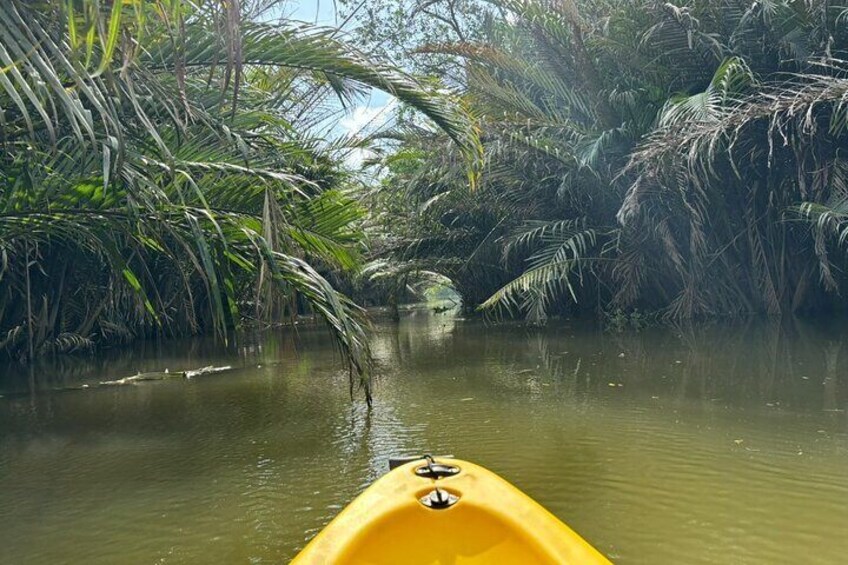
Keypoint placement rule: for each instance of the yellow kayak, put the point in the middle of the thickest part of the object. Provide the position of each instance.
(446, 511)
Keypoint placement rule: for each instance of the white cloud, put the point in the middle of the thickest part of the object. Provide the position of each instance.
(364, 119)
(361, 121)
(355, 157)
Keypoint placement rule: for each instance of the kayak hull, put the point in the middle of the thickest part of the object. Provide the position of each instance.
(491, 522)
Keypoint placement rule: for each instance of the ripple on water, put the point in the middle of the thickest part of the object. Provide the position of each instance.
(247, 466)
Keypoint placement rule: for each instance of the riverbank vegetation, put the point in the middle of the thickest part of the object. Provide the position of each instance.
(167, 168)
(685, 158)
(160, 175)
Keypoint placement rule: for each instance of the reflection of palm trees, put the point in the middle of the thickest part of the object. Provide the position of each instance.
(755, 362)
(782, 364)
(417, 332)
(831, 357)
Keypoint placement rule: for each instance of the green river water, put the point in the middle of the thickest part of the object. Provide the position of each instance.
(714, 445)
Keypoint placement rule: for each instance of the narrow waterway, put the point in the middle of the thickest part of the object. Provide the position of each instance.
(715, 445)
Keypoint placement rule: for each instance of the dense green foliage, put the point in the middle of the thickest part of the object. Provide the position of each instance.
(683, 157)
(162, 174)
(159, 176)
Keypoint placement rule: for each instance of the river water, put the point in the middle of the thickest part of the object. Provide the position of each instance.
(710, 445)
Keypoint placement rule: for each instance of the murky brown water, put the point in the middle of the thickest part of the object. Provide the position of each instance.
(721, 445)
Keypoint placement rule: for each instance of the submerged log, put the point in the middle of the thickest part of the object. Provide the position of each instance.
(162, 375)
(205, 371)
(156, 376)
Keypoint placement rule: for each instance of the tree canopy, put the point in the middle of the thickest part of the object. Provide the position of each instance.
(163, 173)
(685, 158)
(160, 175)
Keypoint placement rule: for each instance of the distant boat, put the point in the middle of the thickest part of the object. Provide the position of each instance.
(446, 512)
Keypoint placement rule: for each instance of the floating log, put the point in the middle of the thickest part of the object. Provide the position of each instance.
(162, 375)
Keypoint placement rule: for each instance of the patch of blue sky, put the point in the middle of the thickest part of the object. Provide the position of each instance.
(371, 112)
(314, 11)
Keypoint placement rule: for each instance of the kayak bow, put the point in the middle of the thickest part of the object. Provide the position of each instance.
(452, 511)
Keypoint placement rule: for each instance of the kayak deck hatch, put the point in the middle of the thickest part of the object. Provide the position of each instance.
(468, 516)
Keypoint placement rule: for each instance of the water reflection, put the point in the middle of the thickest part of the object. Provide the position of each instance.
(699, 445)
(796, 365)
